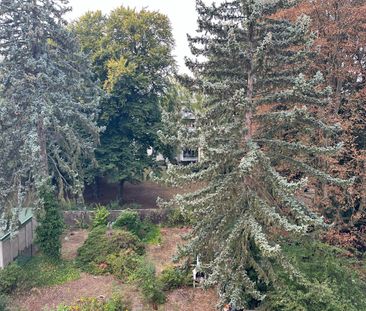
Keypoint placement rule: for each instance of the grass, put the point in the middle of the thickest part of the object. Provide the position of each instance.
(153, 235)
(39, 272)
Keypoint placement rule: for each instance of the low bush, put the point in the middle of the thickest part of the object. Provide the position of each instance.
(100, 217)
(10, 278)
(130, 221)
(117, 303)
(3, 303)
(148, 283)
(173, 277)
(177, 219)
(329, 284)
(101, 243)
(124, 264)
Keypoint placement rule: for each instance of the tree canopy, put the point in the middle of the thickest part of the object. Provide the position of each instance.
(132, 55)
(258, 143)
(47, 115)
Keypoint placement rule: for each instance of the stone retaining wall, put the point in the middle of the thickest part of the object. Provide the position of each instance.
(82, 219)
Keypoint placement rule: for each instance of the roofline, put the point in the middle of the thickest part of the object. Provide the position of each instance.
(6, 235)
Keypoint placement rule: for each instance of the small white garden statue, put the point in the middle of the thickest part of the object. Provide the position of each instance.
(198, 275)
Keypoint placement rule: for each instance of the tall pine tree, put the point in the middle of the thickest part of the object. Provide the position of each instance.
(258, 142)
(47, 116)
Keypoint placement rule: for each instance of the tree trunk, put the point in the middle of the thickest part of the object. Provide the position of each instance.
(44, 171)
(250, 87)
(120, 191)
(96, 187)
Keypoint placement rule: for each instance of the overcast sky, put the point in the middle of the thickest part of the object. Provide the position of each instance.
(182, 14)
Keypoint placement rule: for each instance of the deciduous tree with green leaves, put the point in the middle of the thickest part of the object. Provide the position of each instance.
(132, 55)
(258, 141)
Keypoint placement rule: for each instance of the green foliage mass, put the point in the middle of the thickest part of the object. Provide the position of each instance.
(10, 278)
(46, 86)
(38, 271)
(256, 129)
(116, 303)
(330, 281)
(100, 218)
(50, 225)
(3, 303)
(130, 220)
(151, 287)
(174, 277)
(123, 264)
(101, 243)
(131, 53)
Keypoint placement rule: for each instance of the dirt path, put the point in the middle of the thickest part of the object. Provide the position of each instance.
(71, 242)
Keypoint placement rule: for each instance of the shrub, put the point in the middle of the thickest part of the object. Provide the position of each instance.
(173, 277)
(100, 217)
(150, 286)
(117, 303)
(50, 225)
(10, 278)
(3, 303)
(176, 218)
(124, 264)
(101, 243)
(129, 220)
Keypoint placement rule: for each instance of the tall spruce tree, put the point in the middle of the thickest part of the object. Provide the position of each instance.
(49, 102)
(258, 142)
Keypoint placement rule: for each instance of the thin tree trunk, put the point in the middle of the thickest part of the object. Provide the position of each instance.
(120, 191)
(250, 87)
(96, 187)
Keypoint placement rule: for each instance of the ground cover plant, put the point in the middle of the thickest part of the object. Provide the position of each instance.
(117, 303)
(37, 272)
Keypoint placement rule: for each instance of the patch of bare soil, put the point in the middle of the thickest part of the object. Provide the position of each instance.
(191, 299)
(71, 242)
(183, 299)
(161, 255)
(87, 286)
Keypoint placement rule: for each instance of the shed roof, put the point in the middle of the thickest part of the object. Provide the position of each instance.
(25, 214)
